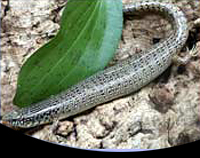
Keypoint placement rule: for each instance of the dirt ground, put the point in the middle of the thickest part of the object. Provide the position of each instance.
(163, 114)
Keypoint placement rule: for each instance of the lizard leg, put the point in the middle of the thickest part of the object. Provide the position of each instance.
(185, 60)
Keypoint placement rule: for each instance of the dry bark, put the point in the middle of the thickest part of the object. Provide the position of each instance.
(165, 113)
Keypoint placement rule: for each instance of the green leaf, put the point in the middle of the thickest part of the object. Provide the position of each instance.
(86, 42)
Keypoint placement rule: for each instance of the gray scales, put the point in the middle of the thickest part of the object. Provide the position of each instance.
(114, 82)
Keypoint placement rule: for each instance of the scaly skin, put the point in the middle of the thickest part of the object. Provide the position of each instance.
(114, 82)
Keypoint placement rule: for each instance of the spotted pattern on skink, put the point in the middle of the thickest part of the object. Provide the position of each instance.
(113, 82)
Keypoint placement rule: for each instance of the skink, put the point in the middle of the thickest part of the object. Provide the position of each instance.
(113, 82)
